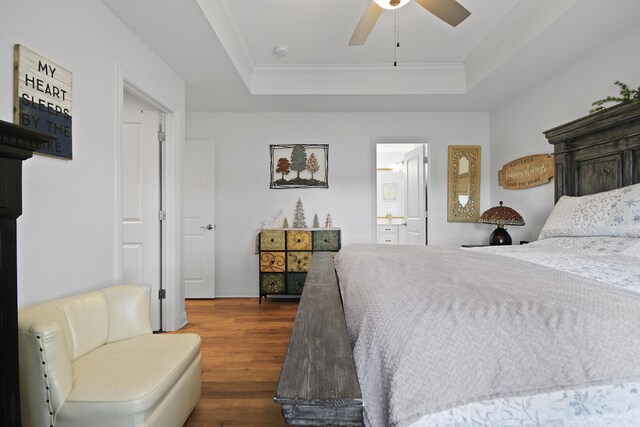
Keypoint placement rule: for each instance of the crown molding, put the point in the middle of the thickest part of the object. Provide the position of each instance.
(454, 68)
(361, 79)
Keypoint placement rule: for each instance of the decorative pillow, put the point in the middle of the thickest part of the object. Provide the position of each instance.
(612, 213)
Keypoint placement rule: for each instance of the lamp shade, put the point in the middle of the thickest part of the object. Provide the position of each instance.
(501, 215)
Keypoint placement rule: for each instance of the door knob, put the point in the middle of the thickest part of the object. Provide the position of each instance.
(208, 227)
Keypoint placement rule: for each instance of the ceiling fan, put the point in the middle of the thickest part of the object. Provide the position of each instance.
(450, 11)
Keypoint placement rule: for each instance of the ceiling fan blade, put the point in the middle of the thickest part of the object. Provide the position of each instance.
(450, 11)
(364, 27)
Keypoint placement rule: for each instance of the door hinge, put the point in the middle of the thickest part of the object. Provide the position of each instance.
(162, 215)
(162, 294)
(161, 136)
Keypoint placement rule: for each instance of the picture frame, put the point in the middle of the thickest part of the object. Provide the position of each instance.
(308, 165)
(389, 191)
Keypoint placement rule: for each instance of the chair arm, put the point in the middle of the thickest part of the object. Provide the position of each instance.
(46, 377)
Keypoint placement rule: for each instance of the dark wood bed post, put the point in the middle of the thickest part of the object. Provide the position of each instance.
(598, 152)
(16, 145)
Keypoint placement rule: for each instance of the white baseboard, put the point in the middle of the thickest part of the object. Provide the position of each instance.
(236, 293)
(240, 293)
(183, 320)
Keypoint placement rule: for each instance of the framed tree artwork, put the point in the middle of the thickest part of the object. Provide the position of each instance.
(300, 166)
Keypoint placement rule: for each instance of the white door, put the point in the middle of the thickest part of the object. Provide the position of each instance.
(141, 227)
(199, 227)
(415, 200)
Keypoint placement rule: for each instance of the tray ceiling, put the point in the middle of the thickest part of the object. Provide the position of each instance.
(434, 58)
(223, 49)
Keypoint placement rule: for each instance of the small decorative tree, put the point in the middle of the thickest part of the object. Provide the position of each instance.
(298, 217)
(285, 223)
(329, 222)
(298, 159)
(284, 167)
(312, 164)
(316, 221)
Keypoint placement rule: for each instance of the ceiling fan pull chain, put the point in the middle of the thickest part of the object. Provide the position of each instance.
(397, 27)
(397, 39)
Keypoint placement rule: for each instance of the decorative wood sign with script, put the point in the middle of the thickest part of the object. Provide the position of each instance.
(526, 172)
(42, 100)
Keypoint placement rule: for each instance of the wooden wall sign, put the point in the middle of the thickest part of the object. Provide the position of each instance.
(526, 172)
(42, 100)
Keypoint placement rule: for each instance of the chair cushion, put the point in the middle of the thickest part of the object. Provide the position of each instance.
(128, 311)
(130, 376)
(88, 318)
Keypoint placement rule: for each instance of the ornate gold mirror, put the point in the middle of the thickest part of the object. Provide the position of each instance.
(463, 201)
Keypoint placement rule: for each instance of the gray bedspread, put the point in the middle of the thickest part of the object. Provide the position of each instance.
(435, 327)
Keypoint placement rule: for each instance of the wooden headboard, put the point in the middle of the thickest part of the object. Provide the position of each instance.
(599, 152)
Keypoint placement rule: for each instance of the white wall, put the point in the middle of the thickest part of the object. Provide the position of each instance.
(66, 235)
(243, 197)
(517, 126)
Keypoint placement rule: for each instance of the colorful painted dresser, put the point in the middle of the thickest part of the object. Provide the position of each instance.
(285, 255)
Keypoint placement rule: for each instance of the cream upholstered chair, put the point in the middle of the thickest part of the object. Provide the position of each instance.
(92, 360)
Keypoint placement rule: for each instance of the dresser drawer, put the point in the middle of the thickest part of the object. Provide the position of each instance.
(326, 240)
(272, 283)
(298, 261)
(295, 282)
(387, 239)
(272, 262)
(388, 229)
(272, 240)
(298, 240)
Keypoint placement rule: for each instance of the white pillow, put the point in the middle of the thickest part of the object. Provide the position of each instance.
(612, 213)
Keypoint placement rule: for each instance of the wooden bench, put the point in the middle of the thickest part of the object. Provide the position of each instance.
(318, 383)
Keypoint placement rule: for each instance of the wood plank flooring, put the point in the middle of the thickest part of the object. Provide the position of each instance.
(243, 346)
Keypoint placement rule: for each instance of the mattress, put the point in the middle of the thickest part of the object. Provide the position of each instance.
(610, 260)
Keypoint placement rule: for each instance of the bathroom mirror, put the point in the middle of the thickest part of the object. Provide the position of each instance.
(463, 202)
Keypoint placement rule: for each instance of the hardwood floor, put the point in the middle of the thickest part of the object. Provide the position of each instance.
(243, 346)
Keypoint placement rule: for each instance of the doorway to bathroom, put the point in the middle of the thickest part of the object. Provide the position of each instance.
(402, 171)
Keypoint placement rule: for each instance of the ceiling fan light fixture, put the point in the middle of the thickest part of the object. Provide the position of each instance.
(391, 4)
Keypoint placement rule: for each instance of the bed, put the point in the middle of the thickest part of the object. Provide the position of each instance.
(538, 334)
